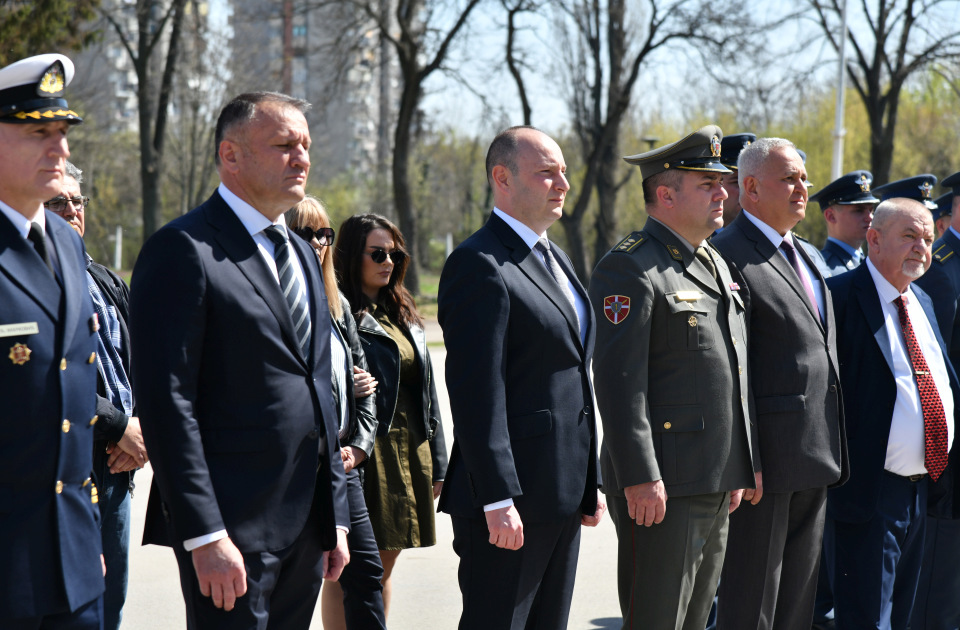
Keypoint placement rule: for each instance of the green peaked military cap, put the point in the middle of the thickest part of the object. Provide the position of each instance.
(700, 151)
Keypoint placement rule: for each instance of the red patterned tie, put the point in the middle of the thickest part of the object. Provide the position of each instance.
(934, 420)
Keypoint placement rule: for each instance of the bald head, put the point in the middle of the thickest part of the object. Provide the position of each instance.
(900, 239)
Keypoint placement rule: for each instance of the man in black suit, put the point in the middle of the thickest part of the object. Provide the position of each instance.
(899, 411)
(230, 331)
(519, 331)
(769, 576)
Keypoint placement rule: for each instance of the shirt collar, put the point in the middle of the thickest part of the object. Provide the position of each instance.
(771, 234)
(523, 231)
(887, 292)
(21, 222)
(684, 242)
(253, 220)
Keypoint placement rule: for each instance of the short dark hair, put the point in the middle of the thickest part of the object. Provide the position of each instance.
(503, 150)
(243, 109)
(669, 178)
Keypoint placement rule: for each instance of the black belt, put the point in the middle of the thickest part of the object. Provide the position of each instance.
(910, 478)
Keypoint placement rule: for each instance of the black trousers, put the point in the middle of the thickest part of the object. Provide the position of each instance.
(360, 580)
(528, 588)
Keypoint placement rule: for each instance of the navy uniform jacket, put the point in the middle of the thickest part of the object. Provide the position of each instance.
(519, 382)
(670, 369)
(49, 537)
(232, 414)
(837, 259)
(869, 390)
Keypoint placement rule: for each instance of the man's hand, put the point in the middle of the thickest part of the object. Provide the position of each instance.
(594, 519)
(221, 572)
(751, 495)
(132, 444)
(352, 457)
(647, 502)
(735, 496)
(119, 462)
(363, 383)
(437, 487)
(506, 528)
(337, 558)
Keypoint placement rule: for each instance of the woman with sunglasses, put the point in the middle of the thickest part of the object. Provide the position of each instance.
(355, 601)
(406, 471)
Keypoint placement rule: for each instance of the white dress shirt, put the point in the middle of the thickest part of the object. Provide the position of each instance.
(21, 222)
(906, 443)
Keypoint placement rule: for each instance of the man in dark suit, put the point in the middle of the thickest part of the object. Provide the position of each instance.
(899, 411)
(230, 331)
(671, 379)
(519, 331)
(937, 606)
(51, 571)
(847, 206)
(773, 550)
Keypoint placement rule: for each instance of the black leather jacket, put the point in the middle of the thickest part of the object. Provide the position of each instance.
(362, 415)
(383, 357)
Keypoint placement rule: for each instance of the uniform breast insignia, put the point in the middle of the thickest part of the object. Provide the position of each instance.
(20, 353)
(631, 242)
(734, 286)
(616, 308)
(943, 252)
(687, 296)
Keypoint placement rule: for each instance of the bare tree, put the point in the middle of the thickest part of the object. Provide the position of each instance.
(902, 37)
(145, 48)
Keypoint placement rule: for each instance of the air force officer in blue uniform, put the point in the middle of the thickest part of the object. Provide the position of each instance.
(51, 572)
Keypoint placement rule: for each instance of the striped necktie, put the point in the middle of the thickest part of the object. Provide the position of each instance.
(292, 286)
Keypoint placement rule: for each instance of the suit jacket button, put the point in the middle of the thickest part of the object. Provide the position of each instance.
(833, 388)
(59, 488)
(667, 425)
(586, 410)
(63, 364)
(65, 427)
(313, 434)
(93, 420)
(93, 357)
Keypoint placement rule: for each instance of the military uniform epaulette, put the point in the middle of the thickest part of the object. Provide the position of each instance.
(631, 242)
(800, 238)
(942, 253)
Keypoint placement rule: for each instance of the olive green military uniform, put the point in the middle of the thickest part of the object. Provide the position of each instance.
(671, 383)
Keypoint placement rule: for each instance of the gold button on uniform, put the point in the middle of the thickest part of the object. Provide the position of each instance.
(740, 369)
(65, 427)
(692, 321)
(93, 357)
(667, 425)
(93, 420)
(59, 487)
(734, 341)
(63, 364)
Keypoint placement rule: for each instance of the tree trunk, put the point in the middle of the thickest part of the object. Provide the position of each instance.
(576, 244)
(401, 175)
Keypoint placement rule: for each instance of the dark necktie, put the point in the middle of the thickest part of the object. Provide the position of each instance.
(934, 419)
(39, 241)
(543, 245)
(292, 286)
(791, 253)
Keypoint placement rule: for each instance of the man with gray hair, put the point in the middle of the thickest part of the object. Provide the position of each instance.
(118, 448)
(901, 390)
(773, 550)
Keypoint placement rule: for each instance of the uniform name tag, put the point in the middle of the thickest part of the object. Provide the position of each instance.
(15, 330)
(688, 296)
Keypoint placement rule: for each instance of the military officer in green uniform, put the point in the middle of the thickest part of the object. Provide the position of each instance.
(671, 383)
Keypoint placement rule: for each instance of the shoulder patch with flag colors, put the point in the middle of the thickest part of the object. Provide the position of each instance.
(616, 308)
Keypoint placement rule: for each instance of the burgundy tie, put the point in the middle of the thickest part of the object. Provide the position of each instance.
(791, 253)
(934, 420)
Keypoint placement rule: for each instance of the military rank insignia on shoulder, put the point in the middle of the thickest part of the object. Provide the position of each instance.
(942, 253)
(631, 242)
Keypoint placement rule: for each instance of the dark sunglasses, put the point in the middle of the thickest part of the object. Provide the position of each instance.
(379, 256)
(59, 204)
(323, 235)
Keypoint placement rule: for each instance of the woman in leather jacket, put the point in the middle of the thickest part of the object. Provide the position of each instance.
(355, 601)
(406, 471)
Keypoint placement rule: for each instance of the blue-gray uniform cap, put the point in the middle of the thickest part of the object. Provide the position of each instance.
(700, 151)
(732, 145)
(953, 182)
(918, 188)
(852, 188)
(31, 90)
(944, 206)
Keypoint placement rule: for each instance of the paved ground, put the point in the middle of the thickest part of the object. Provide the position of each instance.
(426, 595)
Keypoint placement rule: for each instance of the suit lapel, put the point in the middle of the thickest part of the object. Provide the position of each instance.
(21, 262)
(869, 300)
(74, 276)
(243, 251)
(816, 277)
(530, 264)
